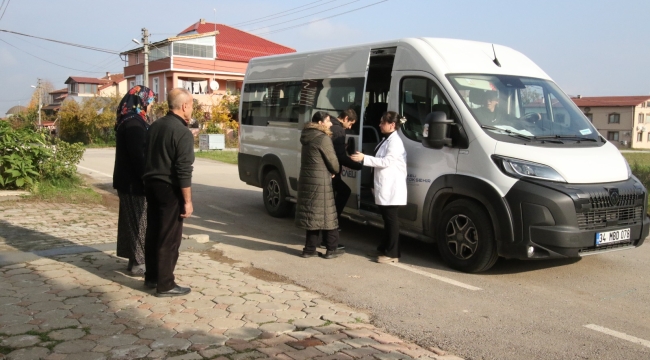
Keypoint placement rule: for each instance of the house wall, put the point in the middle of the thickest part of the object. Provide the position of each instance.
(626, 128)
(644, 124)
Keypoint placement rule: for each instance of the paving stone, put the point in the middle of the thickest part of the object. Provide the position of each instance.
(259, 318)
(277, 328)
(34, 353)
(74, 346)
(21, 341)
(193, 328)
(229, 300)
(243, 309)
(303, 344)
(211, 313)
(179, 318)
(211, 340)
(258, 297)
(190, 356)
(108, 329)
(338, 318)
(210, 353)
(13, 319)
(248, 355)
(67, 334)
(416, 352)
(86, 356)
(330, 329)
(226, 323)
(243, 333)
(392, 356)
(339, 356)
(117, 340)
(331, 337)
(308, 353)
(171, 344)
(333, 347)
(360, 342)
(300, 335)
(361, 352)
(290, 314)
(272, 306)
(18, 329)
(306, 323)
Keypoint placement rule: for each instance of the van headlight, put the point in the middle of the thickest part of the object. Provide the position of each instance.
(521, 168)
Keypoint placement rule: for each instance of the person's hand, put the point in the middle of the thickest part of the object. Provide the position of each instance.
(187, 211)
(333, 175)
(533, 117)
(357, 156)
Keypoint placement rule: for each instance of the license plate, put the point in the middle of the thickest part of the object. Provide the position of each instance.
(608, 237)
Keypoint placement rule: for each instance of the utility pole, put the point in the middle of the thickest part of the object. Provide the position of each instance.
(40, 101)
(145, 43)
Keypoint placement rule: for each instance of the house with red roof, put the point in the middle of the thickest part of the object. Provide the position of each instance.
(207, 59)
(624, 120)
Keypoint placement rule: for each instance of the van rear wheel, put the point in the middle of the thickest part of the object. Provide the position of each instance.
(465, 237)
(275, 195)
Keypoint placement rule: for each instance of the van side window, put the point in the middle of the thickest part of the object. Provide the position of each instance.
(419, 97)
(332, 95)
(265, 103)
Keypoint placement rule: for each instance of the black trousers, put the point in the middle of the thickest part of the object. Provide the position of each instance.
(341, 193)
(390, 241)
(330, 238)
(164, 230)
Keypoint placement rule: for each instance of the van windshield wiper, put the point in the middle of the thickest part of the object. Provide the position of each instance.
(509, 132)
(565, 137)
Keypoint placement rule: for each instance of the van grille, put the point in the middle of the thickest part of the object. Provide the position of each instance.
(600, 199)
(598, 219)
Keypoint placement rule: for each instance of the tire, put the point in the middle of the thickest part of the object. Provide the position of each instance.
(275, 195)
(465, 237)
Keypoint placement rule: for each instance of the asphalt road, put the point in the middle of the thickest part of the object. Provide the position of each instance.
(597, 307)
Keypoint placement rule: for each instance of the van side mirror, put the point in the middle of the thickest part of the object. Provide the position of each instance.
(436, 128)
(351, 147)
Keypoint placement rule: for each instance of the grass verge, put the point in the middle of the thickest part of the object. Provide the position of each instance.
(70, 191)
(229, 157)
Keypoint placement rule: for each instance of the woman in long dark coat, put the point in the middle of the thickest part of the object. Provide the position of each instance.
(131, 134)
(316, 211)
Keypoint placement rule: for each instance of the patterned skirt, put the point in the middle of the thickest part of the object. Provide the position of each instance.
(131, 227)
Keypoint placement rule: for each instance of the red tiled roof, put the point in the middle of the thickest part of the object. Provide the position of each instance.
(237, 45)
(85, 80)
(60, 91)
(114, 80)
(603, 101)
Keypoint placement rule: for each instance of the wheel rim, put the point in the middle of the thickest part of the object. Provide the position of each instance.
(462, 237)
(273, 193)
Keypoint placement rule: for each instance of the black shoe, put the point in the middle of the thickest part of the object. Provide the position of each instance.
(332, 254)
(150, 284)
(175, 291)
(338, 247)
(306, 254)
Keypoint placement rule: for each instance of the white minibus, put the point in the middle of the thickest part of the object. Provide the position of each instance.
(501, 162)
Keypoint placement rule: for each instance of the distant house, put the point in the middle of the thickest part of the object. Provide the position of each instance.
(15, 110)
(200, 58)
(624, 120)
(54, 100)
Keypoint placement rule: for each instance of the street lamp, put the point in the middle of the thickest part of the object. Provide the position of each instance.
(39, 101)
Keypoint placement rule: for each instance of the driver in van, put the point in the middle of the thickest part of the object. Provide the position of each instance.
(487, 113)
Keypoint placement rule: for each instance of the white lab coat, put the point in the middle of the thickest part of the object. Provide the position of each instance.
(390, 171)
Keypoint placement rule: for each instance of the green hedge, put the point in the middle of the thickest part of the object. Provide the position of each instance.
(28, 157)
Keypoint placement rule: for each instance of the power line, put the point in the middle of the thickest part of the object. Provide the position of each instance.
(317, 20)
(271, 17)
(47, 61)
(62, 42)
(3, 13)
(306, 16)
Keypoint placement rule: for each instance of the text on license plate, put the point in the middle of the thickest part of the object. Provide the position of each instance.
(607, 237)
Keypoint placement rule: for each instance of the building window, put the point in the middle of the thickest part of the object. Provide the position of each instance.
(139, 80)
(137, 58)
(614, 118)
(649, 137)
(641, 118)
(131, 84)
(231, 87)
(612, 135)
(639, 137)
(590, 117)
(155, 86)
(158, 53)
(194, 50)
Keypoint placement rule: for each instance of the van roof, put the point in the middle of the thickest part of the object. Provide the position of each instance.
(443, 56)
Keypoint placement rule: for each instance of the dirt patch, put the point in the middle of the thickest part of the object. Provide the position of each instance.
(109, 195)
(266, 275)
(218, 256)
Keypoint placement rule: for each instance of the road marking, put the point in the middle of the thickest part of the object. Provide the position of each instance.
(436, 277)
(197, 227)
(619, 335)
(214, 222)
(224, 210)
(95, 171)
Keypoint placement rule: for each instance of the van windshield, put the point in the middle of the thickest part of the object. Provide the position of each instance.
(529, 108)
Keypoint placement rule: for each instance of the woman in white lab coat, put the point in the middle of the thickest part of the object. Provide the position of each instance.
(389, 182)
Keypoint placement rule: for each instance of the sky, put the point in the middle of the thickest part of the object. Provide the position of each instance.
(589, 48)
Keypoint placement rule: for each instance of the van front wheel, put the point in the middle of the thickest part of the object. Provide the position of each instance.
(275, 196)
(465, 237)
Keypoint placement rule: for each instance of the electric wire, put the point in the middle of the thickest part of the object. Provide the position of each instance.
(317, 20)
(5, 10)
(306, 16)
(47, 61)
(271, 17)
(267, 16)
(63, 42)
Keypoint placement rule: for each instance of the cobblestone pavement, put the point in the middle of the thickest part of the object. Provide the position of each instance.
(27, 226)
(85, 306)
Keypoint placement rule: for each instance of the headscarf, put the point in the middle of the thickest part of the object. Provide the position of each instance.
(135, 102)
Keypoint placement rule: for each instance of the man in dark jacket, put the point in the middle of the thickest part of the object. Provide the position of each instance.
(342, 191)
(168, 178)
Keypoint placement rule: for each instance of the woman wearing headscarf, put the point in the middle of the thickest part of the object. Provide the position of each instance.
(315, 209)
(130, 139)
(389, 182)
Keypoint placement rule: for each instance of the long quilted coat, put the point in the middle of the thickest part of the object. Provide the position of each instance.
(316, 209)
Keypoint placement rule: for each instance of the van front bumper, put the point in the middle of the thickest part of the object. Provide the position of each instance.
(553, 220)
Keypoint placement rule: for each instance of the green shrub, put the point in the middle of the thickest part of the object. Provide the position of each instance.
(642, 172)
(27, 157)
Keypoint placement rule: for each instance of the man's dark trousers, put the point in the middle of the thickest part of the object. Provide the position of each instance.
(341, 193)
(164, 232)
